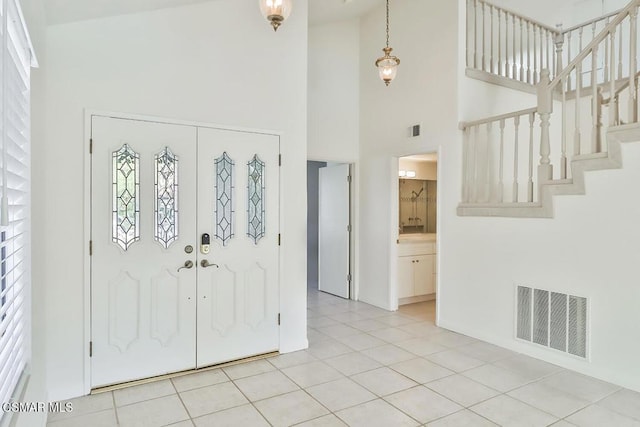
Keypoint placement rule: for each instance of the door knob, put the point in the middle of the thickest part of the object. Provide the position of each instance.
(187, 264)
(205, 263)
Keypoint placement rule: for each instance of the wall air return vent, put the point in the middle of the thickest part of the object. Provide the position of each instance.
(553, 320)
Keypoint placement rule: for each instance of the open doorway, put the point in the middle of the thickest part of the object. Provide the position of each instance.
(417, 237)
(329, 238)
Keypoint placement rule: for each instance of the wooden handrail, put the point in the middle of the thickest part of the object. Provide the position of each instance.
(511, 12)
(591, 22)
(596, 41)
(465, 125)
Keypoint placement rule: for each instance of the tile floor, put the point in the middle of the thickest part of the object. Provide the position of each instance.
(368, 367)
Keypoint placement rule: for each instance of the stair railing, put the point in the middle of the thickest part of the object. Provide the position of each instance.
(583, 66)
(496, 173)
(506, 44)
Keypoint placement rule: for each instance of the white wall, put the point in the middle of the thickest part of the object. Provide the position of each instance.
(579, 252)
(587, 250)
(333, 91)
(424, 37)
(216, 62)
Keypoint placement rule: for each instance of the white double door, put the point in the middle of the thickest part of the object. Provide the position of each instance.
(159, 302)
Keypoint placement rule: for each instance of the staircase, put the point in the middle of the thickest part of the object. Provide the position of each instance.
(514, 164)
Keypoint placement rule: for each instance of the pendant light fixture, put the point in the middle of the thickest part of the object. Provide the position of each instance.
(275, 11)
(388, 64)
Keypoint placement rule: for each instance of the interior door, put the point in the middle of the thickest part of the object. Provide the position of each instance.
(143, 307)
(333, 230)
(238, 207)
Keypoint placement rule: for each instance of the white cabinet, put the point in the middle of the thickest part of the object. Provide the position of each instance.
(416, 270)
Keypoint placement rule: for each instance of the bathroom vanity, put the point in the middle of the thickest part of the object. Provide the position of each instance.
(417, 267)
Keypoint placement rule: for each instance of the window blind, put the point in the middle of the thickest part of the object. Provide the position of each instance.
(15, 62)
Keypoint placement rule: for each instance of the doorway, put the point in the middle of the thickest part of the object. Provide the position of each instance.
(329, 228)
(417, 237)
(184, 247)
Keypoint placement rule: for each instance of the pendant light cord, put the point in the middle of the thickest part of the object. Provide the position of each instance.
(387, 23)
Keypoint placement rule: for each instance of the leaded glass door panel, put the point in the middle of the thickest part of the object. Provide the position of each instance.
(143, 215)
(238, 205)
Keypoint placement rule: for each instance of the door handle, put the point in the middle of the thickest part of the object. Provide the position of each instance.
(187, 264)
(205, 263)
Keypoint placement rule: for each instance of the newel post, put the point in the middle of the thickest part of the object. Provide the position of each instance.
(545, 108)
(558, 40)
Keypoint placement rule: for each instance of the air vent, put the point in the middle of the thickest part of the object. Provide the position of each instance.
(551, 319)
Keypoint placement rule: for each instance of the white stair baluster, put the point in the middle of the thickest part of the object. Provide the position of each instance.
(530, 183)
(516, 124)
(501, 175)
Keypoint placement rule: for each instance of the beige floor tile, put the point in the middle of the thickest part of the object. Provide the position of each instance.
(455, 361)
(581, 386)
(311, 374)
(624, 402)
(421, 370)
(265, 385)
(352, 363)
(94, 419)
(85, 405)
(212, 398)
(153, 413)
(240, 416)
(421, 329)
(377, 413)
(496, 378)
(462, 390)
(368, 325)
(509, 412)
(597, 416)
(291, 408)
(140, 393)
(549, 399)
(396, 320)
(186, 423)
(423, 404)
(421, 346)
(338, 331)
(328, 348)
(340, 394)
(383, 381)
(321, 321)
(451, 339)
(464, 418)
(199, 379)
(563, 423)
(485, 351)
(247, 369)
(325, 421)
(528, 367)
(361, 341)
(288, 360)
(315, 337)
(388, 354)
(391, 335)
(348, 317)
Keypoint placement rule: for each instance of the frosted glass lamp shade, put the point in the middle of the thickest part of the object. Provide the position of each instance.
(276, 11)
(387, 66)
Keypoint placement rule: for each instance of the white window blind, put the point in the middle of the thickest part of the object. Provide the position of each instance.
(15, 62)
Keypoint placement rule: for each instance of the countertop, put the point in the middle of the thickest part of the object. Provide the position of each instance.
(417, 238)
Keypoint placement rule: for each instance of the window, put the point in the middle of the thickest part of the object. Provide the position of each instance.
(15, 62)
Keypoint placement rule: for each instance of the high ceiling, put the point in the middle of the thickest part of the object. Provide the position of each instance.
(64, 11)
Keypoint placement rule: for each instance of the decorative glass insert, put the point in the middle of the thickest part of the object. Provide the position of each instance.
(166, 197)
(126, 200)
(255, 202)
(224, 201)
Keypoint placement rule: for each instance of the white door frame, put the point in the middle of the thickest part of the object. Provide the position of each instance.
(88, 115)
(354, 288)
